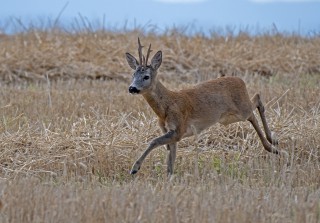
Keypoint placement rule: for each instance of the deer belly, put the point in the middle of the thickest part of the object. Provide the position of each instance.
(229, 118)
(198, 126)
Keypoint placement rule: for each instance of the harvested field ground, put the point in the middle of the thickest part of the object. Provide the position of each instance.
(70, 131)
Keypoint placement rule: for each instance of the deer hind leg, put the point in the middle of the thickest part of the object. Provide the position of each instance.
(256, 102)
(267, 145)
(171, 157)
(168, 138)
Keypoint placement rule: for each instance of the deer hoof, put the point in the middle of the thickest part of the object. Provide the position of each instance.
(134, 170)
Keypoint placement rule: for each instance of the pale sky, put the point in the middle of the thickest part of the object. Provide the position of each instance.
(256, 15)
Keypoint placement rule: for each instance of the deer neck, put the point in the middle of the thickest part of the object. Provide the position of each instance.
(159, 98)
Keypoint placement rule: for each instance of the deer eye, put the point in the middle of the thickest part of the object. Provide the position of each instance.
(146, 77)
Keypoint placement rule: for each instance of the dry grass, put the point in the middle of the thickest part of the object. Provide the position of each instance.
(99, 55)
(69, 132)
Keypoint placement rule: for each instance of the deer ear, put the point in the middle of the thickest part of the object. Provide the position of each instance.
(156, 60)
(133, 63)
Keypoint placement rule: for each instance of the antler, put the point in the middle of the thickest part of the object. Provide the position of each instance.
(143, 61)
(140, 51)
(148, 53)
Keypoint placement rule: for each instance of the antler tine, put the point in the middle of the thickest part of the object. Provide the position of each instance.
(140, 52)
(144, 61)
(148, 53)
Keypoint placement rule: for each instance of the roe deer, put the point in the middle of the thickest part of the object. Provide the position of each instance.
(189, 111)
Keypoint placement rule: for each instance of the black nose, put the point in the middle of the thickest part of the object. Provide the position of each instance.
(133, 90)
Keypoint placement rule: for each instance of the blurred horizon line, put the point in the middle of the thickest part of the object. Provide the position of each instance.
(13, 25)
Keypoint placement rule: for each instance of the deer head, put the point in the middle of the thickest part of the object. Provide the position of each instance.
(144, 75)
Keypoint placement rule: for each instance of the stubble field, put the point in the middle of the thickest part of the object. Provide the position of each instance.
(70, 131)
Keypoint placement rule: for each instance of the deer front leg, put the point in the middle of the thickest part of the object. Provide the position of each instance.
(170, 137)
(171, 149)
(171, 158)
